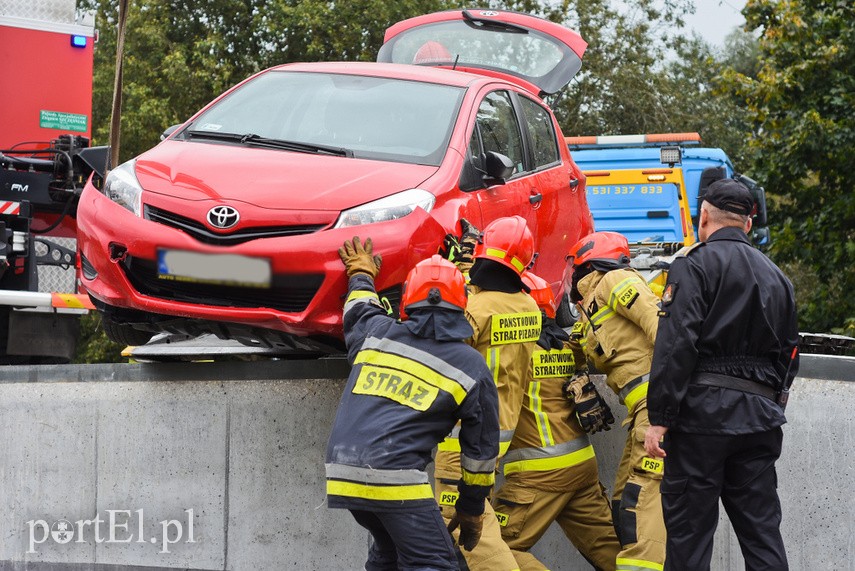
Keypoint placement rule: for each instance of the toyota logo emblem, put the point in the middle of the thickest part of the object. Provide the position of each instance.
(223, 217)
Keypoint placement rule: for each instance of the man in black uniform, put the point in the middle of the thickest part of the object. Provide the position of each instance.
(724, 351)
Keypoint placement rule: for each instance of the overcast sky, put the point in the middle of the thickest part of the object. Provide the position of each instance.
(714, 19)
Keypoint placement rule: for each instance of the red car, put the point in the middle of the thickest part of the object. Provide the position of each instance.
(231, 225)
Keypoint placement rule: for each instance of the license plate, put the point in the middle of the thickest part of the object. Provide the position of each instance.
(219, 269)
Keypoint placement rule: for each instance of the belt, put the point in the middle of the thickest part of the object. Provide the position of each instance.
(726, 382)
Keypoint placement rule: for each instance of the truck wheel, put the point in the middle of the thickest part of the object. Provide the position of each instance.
(123, 333)
(566, 314)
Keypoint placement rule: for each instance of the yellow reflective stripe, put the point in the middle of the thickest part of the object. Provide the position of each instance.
(602, 315)
(619, 289)
(501, 254)
(536, 405)
(635, 395)
(554, 463)
(493, 363)
(478, 479)
(369, 492)
(637, 565)
(360, 294)
(503, 447)
(452, 444)
(414, 368)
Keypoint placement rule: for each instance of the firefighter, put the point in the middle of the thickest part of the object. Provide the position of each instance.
(506, 325)
(411, 381)
(550, 469)
(724, 359)
(616, 332)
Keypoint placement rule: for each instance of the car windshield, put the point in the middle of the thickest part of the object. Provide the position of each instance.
(366, 117)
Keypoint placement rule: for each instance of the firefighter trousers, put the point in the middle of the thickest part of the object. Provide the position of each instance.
(741, 470)
(491, 553)
(525, 513)
(409, 541)
(636, 502)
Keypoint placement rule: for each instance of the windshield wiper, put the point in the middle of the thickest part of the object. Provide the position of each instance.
(258, 140)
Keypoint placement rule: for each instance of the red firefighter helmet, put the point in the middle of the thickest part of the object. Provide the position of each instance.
(507, 241)
(600, 247)
(434, 282)
(541, 291)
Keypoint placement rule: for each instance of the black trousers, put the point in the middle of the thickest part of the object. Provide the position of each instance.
(700, 469)
(408, 541)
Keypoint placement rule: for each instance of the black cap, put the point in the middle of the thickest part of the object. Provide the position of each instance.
(731, 196)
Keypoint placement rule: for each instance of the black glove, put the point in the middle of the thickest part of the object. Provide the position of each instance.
(461, 250)
(470, 528)
(591, 410)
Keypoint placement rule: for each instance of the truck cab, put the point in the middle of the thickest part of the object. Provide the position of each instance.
(648, 188)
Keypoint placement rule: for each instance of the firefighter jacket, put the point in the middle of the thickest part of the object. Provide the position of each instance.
(727, 310)
(617, 331)
(550, 451)
(404, 394)
(506, 329)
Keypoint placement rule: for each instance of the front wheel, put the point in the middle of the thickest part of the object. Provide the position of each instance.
(123, 333)
(567, 313)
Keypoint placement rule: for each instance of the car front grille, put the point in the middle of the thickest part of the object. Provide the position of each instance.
(203, 234)
(290, 293)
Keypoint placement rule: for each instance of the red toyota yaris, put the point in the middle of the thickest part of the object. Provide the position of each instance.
(232, 224)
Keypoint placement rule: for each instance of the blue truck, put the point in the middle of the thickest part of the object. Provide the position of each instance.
(647, 187)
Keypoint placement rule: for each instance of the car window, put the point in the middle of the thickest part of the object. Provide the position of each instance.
(375, 117)
(499, 129)
(541, 133)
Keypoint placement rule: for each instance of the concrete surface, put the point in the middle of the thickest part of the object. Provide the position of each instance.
(239, 446)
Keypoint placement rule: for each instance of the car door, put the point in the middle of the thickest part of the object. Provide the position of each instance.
(497, 129)
(551, 188)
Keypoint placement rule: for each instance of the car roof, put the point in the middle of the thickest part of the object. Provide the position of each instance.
(391, 70)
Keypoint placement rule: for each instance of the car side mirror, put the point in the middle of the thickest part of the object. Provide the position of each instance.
(760, 237)
(759, 195)
(169, 130)
(498, 166)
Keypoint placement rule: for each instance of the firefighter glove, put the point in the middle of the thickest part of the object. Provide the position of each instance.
(468, 240)
(359, 258)
(470, 528)
(591, 410)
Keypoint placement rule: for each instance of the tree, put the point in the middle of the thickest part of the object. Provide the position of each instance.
(802, 144)
(180, 54)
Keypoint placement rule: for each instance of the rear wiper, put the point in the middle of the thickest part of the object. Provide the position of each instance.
(487, 24)
(258, 140)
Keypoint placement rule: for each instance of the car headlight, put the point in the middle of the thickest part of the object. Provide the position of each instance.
(388, 208)
(123, 188)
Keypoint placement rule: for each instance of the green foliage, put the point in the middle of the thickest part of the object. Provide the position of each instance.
(802, 145)
(93, 346)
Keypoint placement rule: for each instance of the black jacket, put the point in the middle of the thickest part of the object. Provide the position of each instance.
(728, 310)
(409, 385)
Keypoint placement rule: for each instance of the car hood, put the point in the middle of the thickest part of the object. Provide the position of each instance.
(271, 178)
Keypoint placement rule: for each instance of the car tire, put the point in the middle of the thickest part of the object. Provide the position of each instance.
(123, 333)
(567, 314)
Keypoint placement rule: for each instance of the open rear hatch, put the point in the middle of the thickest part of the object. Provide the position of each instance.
(537, 54)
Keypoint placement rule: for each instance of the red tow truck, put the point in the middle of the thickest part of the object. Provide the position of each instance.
(46, 54)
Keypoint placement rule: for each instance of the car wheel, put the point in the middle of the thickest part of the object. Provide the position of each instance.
(567, 314)
(123, 333)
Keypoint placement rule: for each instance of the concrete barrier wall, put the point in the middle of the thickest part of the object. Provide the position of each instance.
(226, 462)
